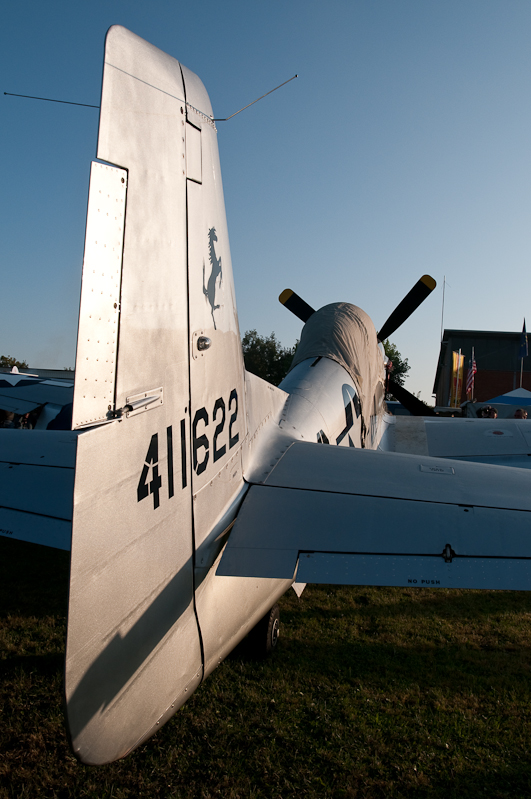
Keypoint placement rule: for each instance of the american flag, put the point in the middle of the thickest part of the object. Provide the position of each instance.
(472, 369)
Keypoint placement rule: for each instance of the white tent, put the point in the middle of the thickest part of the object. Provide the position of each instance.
(505, 404)
(520, 396)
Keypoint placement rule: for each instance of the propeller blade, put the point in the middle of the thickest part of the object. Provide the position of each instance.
(408, 400)
(410, 303)
(296, 305)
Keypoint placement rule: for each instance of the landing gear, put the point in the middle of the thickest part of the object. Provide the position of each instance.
(263, 638)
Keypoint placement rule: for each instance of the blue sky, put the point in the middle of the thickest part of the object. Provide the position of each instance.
(402, 148)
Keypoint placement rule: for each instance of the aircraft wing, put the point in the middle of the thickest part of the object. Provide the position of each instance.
(22, 393)
(37, 486)
(349, 516)
(505, 442)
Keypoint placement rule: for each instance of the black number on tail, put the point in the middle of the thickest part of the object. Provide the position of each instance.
(233, 439)
(169, 440)
(219, 453)
(200, 441)
(183, 453)
(152, 459)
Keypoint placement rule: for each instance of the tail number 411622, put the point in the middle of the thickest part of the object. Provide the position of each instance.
(200, 448)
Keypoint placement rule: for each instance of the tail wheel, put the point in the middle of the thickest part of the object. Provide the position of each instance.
(263, 638)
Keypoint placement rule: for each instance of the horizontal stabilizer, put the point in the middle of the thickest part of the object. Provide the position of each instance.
(336, 515)
(37, 486)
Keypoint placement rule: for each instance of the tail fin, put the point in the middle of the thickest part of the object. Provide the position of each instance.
(159, 400)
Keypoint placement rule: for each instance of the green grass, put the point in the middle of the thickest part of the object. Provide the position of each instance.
(371, 693)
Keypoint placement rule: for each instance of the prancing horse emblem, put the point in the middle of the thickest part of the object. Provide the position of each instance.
(209, 289)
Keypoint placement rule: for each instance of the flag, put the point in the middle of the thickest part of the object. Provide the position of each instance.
(472, 369)
(523, 343)
(458, 361)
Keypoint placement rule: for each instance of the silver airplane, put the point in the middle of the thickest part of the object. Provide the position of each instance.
(193, 494)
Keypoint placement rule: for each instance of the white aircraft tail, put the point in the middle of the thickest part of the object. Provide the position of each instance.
(159, 398)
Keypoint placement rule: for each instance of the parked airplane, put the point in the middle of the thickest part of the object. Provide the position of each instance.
(194, 494)
(42, 399)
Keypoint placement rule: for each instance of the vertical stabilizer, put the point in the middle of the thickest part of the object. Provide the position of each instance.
(133, 648)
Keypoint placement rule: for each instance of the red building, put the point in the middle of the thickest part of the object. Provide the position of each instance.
(498, 364)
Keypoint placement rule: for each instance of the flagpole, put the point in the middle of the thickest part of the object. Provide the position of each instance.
(473, 374)
(523, 351)
(442, 313)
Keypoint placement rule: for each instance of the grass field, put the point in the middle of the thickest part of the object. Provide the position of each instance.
(371, 693)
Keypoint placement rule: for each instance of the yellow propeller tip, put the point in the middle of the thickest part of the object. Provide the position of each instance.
(284, 297)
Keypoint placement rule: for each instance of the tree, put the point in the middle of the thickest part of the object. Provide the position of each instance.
(8, 362)
(400, 365)
(266, 357)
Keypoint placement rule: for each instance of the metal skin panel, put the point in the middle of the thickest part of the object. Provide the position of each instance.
(133, 647)
(100, 296)
(389, 474)
(264, 404)
(278, 527)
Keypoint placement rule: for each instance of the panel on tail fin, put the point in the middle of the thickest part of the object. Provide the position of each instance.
(99, 313)
(216, 368)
